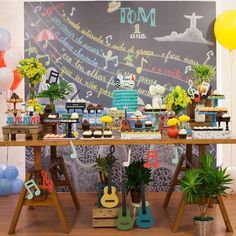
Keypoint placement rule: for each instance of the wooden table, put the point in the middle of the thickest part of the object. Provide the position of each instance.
(54, 200)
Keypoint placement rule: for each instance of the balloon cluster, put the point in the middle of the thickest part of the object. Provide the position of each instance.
(9, 60)
(9, 180)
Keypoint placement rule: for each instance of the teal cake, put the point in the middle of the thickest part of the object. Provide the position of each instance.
(125, 98)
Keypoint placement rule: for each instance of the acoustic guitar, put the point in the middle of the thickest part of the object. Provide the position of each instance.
(144, 219)
(124, 220)
(109, 198)
(125, 124)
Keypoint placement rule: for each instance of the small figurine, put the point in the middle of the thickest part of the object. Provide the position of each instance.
(10, 119)
(26, 119)
(18, 119)
(35, 119)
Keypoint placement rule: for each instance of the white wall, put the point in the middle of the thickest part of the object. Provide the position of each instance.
(12, 18)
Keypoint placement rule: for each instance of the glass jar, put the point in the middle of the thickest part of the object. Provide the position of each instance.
(197, 116)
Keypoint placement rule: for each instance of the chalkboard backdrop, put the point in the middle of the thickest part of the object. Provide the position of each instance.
(89, 43)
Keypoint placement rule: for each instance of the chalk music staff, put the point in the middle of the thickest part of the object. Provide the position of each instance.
(152, 159)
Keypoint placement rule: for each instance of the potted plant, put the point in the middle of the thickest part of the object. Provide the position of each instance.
(102, 165)
(177, 100)
(201, 186)
(32, 70)
(203, 72)
(56, 91)
(135, 174)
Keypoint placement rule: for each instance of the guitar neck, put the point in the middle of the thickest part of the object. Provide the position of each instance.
(109, 179)
(123, 199)
(143, 198)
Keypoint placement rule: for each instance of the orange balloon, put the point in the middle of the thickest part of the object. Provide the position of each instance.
(2, 64)
(17, 80)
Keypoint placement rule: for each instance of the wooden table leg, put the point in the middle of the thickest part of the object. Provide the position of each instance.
(19, 206)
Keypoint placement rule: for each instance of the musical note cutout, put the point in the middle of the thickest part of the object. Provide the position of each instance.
(126, 163)
(209, 55)
(36, 23)
(139, 69)
(191, 90)
(89, 94)
(178, 151)
(187, 69)
(109, 57)
(37, 8)
(47, 183)
(107, 39)
(73, 155)
(48, 61)
(72, 11)
(31, 184)
(152, 159)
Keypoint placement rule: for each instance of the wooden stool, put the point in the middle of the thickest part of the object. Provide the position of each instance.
(31, 131)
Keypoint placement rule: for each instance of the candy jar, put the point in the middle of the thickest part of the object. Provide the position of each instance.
(10, 119)
(35, 119)
(18, 119)
(26, 119)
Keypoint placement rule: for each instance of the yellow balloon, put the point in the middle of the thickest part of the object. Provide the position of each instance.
(225, 29)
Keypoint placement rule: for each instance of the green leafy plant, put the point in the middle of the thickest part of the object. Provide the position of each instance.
(177, 99)
(135, 174)
(56, 91)
(102, 165)
(203, 184)
(203, 72)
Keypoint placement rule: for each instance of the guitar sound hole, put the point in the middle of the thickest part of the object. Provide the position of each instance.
(125, 223)
(145, 221)
(109, 200)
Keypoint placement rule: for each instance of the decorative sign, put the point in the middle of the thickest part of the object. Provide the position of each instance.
(152, 159)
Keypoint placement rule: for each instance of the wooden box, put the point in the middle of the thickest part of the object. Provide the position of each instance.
(105, 217)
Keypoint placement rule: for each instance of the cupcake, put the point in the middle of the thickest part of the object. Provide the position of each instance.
(182, 134)
(85, 125)
(87, 134)
(97, 134)
(138, 124)
(148, 107)
(90, 107)
(148, 124)
(107, 134)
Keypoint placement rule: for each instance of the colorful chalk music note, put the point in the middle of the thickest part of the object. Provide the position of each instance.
(209, 54)
(27, 36)
(72, 11)
(31, 50)
(191, 91)
(73, 155)
(49, 11)
(109, 57)
(89, 94)
(31, 184)
(36, 23)
(187, 69)
(139, 69)
(152, 159)
(126, 163)
(47, 183)
(48, 61)
(107, 38)
(37, 8)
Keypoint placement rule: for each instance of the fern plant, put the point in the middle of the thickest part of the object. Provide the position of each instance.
(55, 92)
(204, 183)
(203, 72)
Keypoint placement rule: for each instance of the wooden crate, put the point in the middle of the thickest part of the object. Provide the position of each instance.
(105, 217)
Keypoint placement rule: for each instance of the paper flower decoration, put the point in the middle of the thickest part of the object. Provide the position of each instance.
(106, 119)
(184, 118)
(173, 122)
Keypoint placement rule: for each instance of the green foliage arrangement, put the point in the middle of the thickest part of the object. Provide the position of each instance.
(203, 184)
(56, 91)
(177, 99)
(203, 72)
(32, 70)
(135, 174)
(102, 165)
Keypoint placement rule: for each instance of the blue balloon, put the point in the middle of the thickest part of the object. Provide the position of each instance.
(16, 185)
(5, 187)
(2, 171)
(11, 172)
(5, 39)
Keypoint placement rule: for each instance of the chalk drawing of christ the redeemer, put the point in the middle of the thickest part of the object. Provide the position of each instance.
(191, 34)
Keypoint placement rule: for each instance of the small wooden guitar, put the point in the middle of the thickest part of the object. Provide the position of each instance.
(144, 219)
(125, 124)
(109, 198)
(124, 220)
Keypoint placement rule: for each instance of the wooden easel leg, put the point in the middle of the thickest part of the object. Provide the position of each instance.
(59, 209)
(228, 225)
(68, 182)
(173, 182)
(19, 206)
(178, 216)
